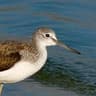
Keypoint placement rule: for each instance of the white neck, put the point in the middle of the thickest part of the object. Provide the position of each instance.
(43, 55)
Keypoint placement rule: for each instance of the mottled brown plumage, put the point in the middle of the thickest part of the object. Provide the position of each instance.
(7, 61)
(10, 53)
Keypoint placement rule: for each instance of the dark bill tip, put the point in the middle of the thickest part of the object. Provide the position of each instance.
(66, 46)
(74, 50)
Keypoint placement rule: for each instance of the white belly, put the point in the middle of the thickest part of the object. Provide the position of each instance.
(19, 72)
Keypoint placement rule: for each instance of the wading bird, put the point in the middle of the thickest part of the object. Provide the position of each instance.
(20, 60)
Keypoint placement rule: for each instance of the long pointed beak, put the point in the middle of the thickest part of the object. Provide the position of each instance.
(66, 46)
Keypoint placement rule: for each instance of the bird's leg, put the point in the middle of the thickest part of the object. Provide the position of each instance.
(1, 88)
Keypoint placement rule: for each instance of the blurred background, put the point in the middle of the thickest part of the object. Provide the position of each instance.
(65, 73)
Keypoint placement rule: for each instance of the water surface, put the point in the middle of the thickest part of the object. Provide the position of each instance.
(74, 22)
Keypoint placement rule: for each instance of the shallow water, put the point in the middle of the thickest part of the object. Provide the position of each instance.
(74, 22)
(33, 88)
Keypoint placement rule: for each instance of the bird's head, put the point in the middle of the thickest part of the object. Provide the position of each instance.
(47, 37)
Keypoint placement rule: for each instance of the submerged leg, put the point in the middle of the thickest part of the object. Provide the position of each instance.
(1, 88)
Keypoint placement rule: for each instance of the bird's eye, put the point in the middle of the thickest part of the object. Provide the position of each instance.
(47, 35)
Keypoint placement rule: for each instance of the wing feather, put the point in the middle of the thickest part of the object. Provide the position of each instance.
(9, 54)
